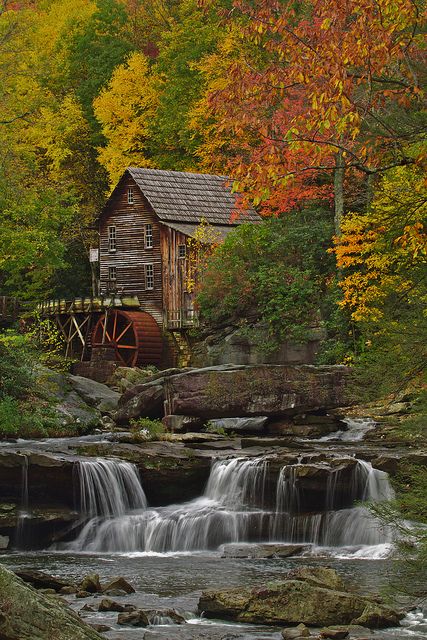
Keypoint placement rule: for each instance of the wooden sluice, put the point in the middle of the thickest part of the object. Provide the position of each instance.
(77, 318)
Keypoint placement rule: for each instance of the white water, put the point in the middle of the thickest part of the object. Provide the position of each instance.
(233, 508)
(356, 430)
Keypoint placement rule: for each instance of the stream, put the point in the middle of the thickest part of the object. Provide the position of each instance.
(171, 553)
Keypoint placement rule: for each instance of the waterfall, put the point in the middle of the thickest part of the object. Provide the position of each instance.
(109, 487)
(233, 508)
(22, 532)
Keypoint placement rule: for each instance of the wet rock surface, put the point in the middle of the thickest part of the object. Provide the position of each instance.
(26, 614)
(312, 596)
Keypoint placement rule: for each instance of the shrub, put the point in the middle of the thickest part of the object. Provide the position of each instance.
(276, 272)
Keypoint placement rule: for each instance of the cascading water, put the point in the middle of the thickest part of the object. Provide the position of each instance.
(233, 508)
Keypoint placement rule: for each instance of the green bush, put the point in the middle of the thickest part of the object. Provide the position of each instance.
(276, 273)
(147, 429)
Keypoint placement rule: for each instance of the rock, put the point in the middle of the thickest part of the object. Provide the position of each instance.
(164, 616)
(66, 591)
(101, 628)
(116, 593)
(87, 607)
(48, 592)
(295, 633)
(311, 596)
(239, 425)
(95, 394)
(136, 618)
(217, 392)
(74, 413)
(4, 542)
(335, 633)
(91, 583)
(266, 550)
(375, 616)
(83, 594)
(41, 580)
(109, 605)
(318, 576)
(29, 615)
(119, 583)
(182, 424)
(146, 403)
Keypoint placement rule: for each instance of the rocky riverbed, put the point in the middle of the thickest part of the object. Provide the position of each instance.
(202, 512)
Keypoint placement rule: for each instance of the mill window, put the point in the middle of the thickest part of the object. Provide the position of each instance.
(130, 195)
(112, 274)
(149, 277)
(112, 238)
(182, 251)
(148, 236)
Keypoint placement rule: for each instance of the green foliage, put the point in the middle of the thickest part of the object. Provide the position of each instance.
(94, 52)
(147, 429)
(192, 35)
(25, 411)
(275, 272)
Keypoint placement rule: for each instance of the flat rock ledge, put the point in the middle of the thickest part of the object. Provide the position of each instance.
(315, 596)
(29, 615)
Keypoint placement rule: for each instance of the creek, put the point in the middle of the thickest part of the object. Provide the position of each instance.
(170, 553)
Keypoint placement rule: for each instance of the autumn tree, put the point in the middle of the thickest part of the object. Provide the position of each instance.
(125, 109)
(316, 90)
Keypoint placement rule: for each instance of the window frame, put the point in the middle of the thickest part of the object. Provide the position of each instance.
(112, 273)
(131, 199)
(112, 238)
(184, 253)
(149, 276)
(148, 227)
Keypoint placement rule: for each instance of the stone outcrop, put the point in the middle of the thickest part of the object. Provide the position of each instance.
(95, 394)
(220, 392)
(262, 550)
(29, 615)
(310, 596)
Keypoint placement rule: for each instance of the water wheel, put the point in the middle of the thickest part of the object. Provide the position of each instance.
(134, 335)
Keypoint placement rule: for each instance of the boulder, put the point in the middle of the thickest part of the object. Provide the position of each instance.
(110, 605)
(119, 584)
(311, 596)
(91, 583)
(335, 633)
(164, 616)
(262, 550)
(136, 618)
(263, 390)
(146, 403)
(4, 542)
(29, 615)
(376, 616)
(295, 633)
(41, 580)
(95, 394)
(182, 424)
(239, 425)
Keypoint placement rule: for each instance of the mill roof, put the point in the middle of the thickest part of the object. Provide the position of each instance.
(183, 197)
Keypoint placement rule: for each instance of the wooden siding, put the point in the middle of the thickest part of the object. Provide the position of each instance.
(176, 298)
(131, 255)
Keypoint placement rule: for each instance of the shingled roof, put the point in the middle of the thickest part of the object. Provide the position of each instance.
(178, 196)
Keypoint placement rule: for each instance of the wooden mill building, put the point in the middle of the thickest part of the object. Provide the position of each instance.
(144, 232)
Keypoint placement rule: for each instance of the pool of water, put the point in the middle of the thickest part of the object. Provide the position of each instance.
(176, 581)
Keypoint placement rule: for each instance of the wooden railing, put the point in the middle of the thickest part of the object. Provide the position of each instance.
(86, 305)
(9, 308)
(181, 319)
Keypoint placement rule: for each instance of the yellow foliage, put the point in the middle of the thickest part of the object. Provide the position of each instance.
(199, 248)
(125, 109)
(384, 252)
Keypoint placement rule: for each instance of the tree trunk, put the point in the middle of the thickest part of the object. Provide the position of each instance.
(339, 191)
